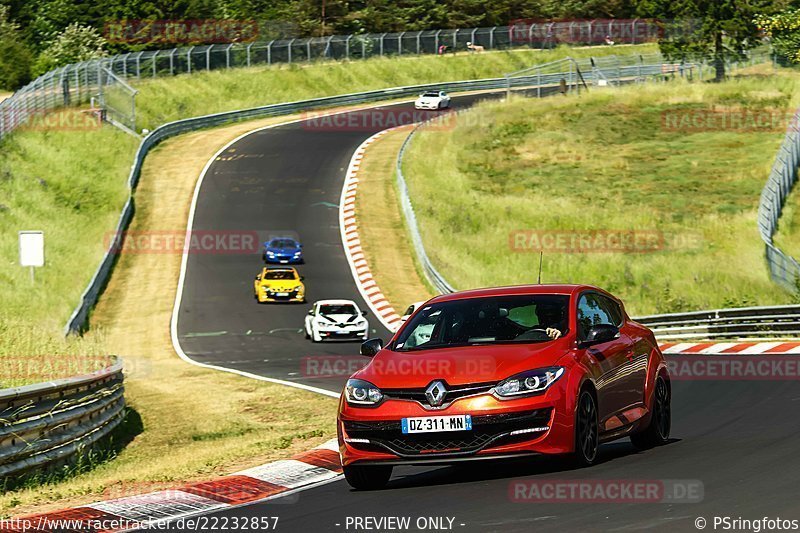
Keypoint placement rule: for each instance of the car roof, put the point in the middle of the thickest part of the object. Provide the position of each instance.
(335, 302)
(544, 288)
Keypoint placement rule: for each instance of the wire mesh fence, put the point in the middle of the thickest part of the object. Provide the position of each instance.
(79, 83)
(783, 268)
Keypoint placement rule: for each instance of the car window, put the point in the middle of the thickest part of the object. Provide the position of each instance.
(485, 320)
(593, 309)
(279, 274)
(337, 309)
(613, 309)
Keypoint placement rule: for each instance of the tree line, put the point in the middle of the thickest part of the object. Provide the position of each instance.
(38, 35)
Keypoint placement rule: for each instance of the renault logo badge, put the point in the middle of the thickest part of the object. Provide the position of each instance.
(435, 393)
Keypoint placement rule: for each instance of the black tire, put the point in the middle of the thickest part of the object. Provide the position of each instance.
(305, 333)
(657, 431)
(586, 434)
(367, 477)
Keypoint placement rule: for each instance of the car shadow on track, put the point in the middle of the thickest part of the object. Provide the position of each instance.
(536, 465)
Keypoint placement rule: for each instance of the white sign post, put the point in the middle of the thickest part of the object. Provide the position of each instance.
(31, 249)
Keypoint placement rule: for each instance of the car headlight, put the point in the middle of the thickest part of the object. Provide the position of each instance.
(361, 323)
(530, 382)
(297, 253)
(360, 392)
(270, 254)
(298, 288)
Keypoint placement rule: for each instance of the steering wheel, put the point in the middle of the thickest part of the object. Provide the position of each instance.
(534, 334)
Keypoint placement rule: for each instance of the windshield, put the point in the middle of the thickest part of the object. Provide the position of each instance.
(279, 274)
(283, 243)
(492, 320)
(337, 309)
(430, 95)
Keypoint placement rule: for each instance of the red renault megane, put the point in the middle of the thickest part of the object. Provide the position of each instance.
(493, 373)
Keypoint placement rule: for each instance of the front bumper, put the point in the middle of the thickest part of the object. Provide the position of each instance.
(431, 105)
(346, 333)
(291, 296)
(283, 259)
(500, 428)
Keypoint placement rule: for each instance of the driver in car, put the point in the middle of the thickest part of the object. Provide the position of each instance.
(551, 317)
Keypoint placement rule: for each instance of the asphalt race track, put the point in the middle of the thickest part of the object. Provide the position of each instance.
(736, 440)
(274, 181)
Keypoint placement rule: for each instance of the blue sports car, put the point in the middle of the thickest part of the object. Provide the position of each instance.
(283, 250)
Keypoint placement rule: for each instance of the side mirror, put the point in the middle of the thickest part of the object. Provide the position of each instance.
(601, 333)
(311, 312)
(363, 313)
(302, 278)
(371, 347)
(258, 278)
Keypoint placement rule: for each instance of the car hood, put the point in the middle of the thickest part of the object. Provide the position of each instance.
(339, 318)
(460, 365)
(277, 250)
(428, 98)
(280, 283)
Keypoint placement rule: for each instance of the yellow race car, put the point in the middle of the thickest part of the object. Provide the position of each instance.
(279, 285)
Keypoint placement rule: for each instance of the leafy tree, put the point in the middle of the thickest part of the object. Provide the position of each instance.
(76, 43)
(15, 57)
(706, 29)
(784, 29)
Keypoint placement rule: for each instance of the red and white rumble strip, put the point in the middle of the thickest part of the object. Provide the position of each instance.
(367, 286)
(279, 478)
(730, 348)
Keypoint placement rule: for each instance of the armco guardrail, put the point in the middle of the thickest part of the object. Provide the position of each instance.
(80, 315)
(49, 423)
(783, 268)
(778, 321)
(80, 82)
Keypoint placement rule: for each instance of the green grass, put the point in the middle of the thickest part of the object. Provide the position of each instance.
(603, 161)
(71, 185)
(165, 99)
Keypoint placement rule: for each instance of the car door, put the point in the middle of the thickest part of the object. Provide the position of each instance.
(611, 358)
(635, 374)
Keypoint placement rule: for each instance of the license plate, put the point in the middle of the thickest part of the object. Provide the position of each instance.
(342, 332)
(435, 424)
(284, 261)
(281, 294)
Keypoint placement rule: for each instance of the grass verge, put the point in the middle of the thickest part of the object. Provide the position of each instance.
(185, 423)
(71, 185)
(381, 226)
(165, 99)
(607, 161)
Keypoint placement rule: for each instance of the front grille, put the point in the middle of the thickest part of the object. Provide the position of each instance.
(486, 430)
(453, 393)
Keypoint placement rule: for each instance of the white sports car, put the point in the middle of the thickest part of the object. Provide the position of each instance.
(410, 311)
(432, 100)
(336, 319)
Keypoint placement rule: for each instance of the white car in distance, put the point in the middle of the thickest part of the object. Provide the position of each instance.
(432, 100)
(410, 311)
(336, 319)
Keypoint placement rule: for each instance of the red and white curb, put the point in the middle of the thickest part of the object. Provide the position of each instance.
(730, 348)
(348, 226)
(280, 478)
